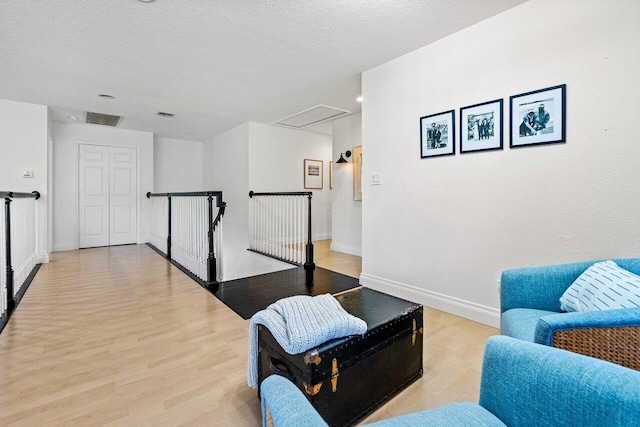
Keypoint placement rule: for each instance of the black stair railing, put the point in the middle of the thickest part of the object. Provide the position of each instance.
(185, 232)
(18, 241)
(280, 228)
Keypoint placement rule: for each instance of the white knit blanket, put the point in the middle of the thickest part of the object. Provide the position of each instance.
(300, 323)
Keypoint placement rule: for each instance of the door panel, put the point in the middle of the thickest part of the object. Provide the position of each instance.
(121, 219)
(123, 196)
(95, 221)
(122, 182)
(94, 181)
(93, 200)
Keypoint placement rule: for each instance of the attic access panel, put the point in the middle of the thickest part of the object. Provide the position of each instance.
(310, 116)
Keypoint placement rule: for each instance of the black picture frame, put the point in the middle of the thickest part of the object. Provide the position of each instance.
(481, 127)
(538, 117)
(438, 134)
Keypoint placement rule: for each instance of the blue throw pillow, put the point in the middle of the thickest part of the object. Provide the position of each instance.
(603, 286)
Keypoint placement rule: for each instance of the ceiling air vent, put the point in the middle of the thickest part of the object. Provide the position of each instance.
(313, 115)
(163, 114)
(102, 119)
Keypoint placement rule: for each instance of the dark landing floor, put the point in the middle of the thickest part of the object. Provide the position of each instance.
(251, 294)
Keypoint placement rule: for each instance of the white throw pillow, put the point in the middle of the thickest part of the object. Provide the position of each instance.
(603, 286)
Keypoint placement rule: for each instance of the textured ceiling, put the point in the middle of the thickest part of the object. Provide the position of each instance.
(213, 63)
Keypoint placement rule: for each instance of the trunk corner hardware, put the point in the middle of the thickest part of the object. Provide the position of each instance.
(312, 357)
(311, 390)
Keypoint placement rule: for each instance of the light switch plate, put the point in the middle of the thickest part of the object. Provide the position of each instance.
(376, 180)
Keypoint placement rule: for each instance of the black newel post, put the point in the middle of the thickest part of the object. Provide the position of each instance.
(169, 228)
(211, 259)
(309, 265)
(11, 304)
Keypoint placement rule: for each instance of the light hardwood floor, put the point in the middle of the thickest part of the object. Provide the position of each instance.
(349, 265)
(118, 336)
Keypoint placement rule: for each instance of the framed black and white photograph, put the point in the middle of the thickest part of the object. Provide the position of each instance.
(313, 174)
(481, 127)
(538, 117)
(437, 134)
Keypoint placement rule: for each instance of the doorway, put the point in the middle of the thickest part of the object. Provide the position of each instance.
(107, 195)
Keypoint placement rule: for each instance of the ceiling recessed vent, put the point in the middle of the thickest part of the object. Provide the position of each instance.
(163, 114)
(313, 115)
(102, 119)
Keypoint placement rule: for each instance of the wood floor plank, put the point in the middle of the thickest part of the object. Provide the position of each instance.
(120, 337)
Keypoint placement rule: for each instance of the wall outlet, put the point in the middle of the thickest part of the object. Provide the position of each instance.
(376, 180)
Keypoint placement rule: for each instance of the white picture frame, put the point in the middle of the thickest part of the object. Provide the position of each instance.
(313, 174)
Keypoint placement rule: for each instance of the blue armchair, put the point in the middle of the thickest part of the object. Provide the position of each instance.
(523, 384)
(530, 311)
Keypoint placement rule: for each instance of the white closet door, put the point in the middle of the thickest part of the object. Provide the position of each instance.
(107, 196)
(93, 196)
(123, 196)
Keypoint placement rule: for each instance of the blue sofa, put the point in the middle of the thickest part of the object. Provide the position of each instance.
(530, 311)
(523, 384)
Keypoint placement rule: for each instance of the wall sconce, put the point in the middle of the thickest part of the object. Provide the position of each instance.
(342, 159)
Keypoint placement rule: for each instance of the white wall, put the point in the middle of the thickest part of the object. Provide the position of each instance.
(50, 195)
(226, 169)
(441, 230)
(261, 157)
(346, 213)
(177, 165)
(66, 139)
(276, 163)
(23, 146)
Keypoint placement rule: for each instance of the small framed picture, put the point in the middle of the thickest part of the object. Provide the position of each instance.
(481, 127)
(437, 134)
(538, 117)
(313, 174)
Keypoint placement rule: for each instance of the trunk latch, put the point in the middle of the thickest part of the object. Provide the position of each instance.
(334, 375)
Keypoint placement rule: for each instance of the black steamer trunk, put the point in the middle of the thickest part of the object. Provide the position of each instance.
(346, 379)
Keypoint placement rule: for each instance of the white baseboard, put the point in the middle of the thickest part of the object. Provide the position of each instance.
(346, 249)
(42, 258)
(467, 309)
(64, 246)
(321, 236)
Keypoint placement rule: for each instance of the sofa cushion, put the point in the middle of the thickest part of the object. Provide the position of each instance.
(521, 323)
(603, 286)
(456, 414)
(527, 384)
